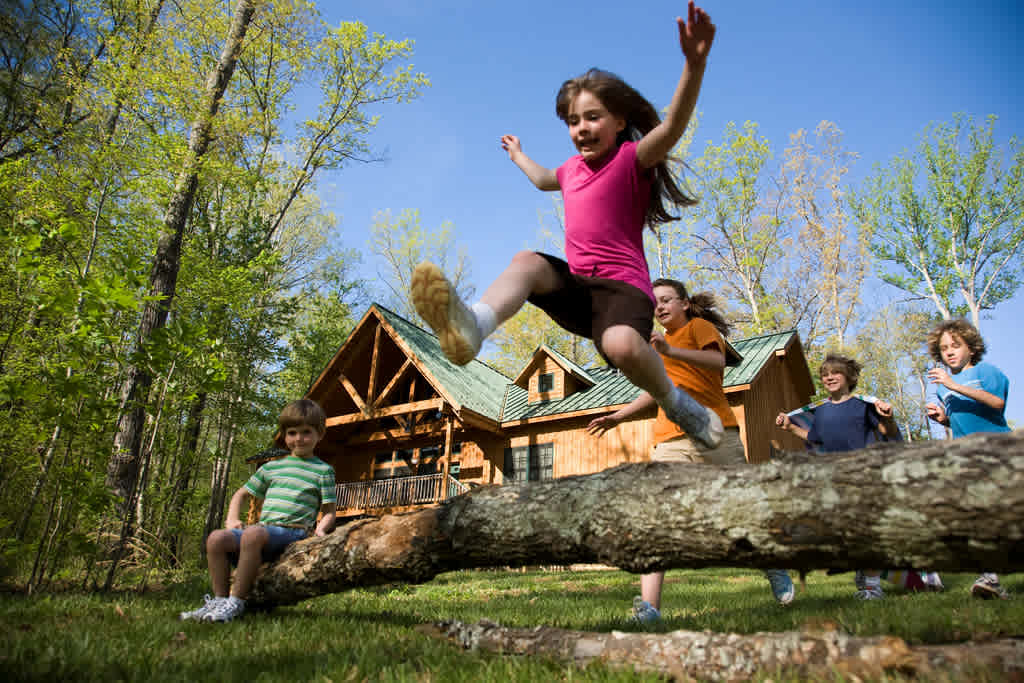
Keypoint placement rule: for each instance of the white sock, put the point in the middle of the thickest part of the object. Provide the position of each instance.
(873, 581)
(486, 320)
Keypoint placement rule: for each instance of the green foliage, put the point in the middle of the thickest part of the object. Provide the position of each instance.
(99, 100)
(948, 221)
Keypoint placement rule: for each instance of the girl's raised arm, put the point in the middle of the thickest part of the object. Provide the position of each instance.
(695, 37)
(543, 178)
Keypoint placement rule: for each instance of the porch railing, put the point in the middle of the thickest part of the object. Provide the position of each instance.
(398, 491)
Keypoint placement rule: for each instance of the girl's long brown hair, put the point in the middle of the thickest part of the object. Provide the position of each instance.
(623, 101)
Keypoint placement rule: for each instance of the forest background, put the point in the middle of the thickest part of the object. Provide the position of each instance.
(199, 199)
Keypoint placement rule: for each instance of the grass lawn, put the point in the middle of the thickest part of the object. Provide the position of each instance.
(367, 634)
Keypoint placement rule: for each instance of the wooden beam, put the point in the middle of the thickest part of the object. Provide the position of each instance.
(353, 394)
(374, 358)
(393, 383)
(402, 409)
(395, 436)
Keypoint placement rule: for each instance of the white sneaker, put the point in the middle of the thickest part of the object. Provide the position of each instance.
(227, 609)
(439, 305)
(700, 423)
(987, 587)
(870, 592)
(198, 614)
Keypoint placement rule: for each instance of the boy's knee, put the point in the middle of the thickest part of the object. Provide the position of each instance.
(254, 536)
(220, 540)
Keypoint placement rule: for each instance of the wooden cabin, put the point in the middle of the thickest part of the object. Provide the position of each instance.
(406, 428)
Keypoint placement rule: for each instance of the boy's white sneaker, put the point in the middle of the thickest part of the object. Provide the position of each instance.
(987, 587)
(198, 614)
(227, 609)
(451, 320)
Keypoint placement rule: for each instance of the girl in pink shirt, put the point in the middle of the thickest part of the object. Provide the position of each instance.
(615, 186)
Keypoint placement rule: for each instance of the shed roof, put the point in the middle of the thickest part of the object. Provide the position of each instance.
(756, 352)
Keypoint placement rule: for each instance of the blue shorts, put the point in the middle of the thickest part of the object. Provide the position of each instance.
(280, 537)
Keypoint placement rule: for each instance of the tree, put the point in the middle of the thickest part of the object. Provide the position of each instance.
(739, 243)
(402, 243)
(802, 511)
(821, 279)
(948, 222)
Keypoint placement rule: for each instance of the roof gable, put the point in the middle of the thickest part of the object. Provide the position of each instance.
(476, 385)
(523, 378)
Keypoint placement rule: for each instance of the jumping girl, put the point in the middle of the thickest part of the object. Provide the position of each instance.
(617, 184)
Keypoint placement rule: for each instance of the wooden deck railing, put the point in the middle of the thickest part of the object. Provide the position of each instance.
(399, 491)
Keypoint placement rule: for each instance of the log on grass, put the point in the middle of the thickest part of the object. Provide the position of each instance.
(945, 505)
(817, 651)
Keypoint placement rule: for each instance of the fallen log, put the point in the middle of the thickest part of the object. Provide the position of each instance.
(685, 655)
(945, 505)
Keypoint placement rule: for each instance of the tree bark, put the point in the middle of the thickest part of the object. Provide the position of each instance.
(817, 652)
(945, 505)
(123, 468)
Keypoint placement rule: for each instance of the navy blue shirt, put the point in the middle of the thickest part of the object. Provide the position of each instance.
(846, 426)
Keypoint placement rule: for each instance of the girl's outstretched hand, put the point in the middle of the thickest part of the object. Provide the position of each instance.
(696, 33)
(510, 143)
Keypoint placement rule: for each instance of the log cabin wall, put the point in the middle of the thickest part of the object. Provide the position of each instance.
(576, 451)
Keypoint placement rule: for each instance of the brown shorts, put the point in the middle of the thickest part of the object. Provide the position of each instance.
(587, 306)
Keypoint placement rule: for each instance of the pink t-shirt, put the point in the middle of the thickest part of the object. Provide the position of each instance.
(604, 217)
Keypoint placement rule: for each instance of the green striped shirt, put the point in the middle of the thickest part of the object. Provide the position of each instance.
(292, 489)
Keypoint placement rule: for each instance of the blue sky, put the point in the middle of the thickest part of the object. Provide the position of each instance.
(880, 70)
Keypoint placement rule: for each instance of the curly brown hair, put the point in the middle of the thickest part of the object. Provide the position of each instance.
(967, 332)
(847, 367)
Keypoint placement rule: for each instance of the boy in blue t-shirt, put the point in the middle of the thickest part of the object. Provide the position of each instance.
(845, 422)
(972, 399)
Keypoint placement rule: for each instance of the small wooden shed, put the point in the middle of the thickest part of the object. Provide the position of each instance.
(406, 427)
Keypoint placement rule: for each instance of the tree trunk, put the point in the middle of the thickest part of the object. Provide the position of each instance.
(945, 505)
(819, 653)
(123, 469)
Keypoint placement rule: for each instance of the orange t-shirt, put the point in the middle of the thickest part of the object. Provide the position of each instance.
(702, 383)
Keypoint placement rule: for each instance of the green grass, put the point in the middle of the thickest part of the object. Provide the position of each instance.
(367, 634)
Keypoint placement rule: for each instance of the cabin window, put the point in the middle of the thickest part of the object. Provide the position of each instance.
(546, 382)
(530, 463)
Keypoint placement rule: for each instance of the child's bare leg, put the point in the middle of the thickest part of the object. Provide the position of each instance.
(250, 556)
(218, 544)
(650, 588)
(528, 273)
(642, 366)
(461, 329)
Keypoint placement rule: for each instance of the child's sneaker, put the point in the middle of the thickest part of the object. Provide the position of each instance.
(438, 304)
(644, 613)
(782, 585)
(226, 610)
(701, 424)
(198, 614)
(932, 582)
(987, 587)
(871, 591)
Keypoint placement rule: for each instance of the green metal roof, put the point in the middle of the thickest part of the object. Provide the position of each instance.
(610, 388)
(476, 385)
(756, 352)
